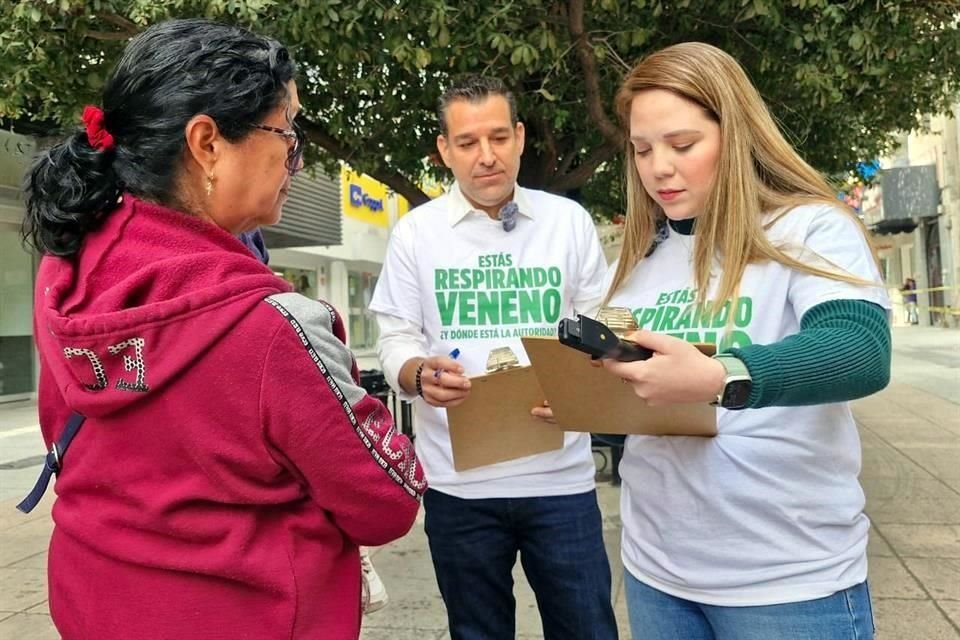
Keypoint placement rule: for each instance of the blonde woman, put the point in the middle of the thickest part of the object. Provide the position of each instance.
(732, 239)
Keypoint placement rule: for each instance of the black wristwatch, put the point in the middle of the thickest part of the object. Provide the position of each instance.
(738, 384)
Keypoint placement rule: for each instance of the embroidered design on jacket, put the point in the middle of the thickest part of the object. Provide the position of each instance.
(134, 363)
(130, 364)
(405, 457)
(98, 373)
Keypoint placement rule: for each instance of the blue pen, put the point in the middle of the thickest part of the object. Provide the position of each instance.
(453, 354)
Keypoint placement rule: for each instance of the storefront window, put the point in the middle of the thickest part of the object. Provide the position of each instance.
(16, 315)
(304, 281)
(363, 324)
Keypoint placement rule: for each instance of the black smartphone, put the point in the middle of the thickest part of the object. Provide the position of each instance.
(587, 335)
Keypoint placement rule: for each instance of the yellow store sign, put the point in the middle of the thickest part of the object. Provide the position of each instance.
(363, 198)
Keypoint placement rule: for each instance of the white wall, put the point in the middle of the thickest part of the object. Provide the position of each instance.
(361, 243)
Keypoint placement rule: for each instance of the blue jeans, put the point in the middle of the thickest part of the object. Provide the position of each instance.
(654, 615)
(474, 545)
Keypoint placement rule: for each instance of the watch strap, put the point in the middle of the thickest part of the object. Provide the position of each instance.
(734, 365)
(737, 374)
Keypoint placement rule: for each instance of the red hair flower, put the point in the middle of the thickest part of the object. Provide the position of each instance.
(98, 136)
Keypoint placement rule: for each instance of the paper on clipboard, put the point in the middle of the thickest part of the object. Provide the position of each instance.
(495, 425)
(587, 398)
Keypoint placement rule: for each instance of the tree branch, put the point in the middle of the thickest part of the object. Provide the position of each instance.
(585, 170)
(591, 84)
(130, 27)
(568, 156)
(127, 28)
(548, 159)
(399, 183)
(107, 35)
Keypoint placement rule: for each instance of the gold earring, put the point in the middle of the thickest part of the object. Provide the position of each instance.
(209, 186)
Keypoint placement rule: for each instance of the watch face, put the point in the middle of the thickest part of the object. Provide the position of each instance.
(736, 394)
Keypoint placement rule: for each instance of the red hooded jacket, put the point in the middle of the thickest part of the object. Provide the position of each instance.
(229, 465)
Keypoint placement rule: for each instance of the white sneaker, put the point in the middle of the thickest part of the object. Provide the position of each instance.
(374, 593)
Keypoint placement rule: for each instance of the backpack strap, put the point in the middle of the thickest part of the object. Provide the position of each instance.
(53, 463)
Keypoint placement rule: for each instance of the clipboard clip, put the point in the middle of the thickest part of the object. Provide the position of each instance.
(620, 320)
(597, 339)
(501, 359)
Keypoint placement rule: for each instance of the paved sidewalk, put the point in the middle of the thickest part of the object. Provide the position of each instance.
(911, 474)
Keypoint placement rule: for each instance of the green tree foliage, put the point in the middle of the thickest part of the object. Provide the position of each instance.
(839, 76)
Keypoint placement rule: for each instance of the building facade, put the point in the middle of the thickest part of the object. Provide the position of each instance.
(914, 214)
(18, 362)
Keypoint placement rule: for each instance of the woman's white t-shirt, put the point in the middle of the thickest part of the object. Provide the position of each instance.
(770, 510)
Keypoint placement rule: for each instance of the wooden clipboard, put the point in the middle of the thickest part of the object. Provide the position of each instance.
(587, 398)
(495, 425)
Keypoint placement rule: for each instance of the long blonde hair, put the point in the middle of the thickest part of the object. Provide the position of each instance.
(758, 172)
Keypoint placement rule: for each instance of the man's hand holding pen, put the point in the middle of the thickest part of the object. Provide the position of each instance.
(442, 382)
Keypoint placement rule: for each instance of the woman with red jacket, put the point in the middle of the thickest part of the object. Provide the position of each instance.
(218, 463)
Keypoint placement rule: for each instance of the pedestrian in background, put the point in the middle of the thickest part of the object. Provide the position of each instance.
(732, 238)
(909, 291)
(225, 464)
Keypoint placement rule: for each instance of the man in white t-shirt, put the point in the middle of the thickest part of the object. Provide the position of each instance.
(458, 275)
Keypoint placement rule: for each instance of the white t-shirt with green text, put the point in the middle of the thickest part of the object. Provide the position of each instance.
(770, 510)
(470, 285)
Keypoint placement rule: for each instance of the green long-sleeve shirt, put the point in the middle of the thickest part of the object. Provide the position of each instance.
(842, 352)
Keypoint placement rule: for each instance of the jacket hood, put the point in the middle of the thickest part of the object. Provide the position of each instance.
(149, 292)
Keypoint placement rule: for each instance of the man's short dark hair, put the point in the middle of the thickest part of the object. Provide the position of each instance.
(474, 88)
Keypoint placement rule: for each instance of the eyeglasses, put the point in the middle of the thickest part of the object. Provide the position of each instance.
(295, 154)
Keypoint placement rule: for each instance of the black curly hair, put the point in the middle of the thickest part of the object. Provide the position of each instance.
(167, 74)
